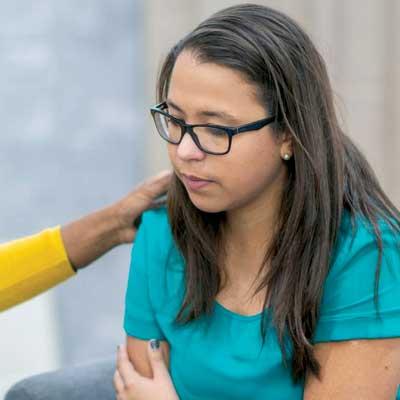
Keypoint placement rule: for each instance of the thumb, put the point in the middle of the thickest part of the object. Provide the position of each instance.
(160, 370)
(156, 185)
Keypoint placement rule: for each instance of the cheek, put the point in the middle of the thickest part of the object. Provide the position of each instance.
(253, 171)
(251, 167)
(171, 149)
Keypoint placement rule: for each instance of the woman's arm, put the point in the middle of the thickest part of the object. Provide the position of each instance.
(130, 384)
(138, 355)
(93, 235)
(356, 369)
(31, 265)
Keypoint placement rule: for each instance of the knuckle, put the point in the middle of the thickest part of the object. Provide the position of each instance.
(120, 369)
(130, 385)
(131, 390)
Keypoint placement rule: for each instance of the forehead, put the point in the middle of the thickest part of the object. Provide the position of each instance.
(195, 84)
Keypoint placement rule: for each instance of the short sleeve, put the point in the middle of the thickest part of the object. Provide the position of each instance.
(348, 311)
(140, 320)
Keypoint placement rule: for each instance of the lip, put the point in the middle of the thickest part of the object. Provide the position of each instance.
(194, 182)
(196, 178)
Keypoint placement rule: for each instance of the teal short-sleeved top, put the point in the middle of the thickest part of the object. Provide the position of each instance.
(220, 356)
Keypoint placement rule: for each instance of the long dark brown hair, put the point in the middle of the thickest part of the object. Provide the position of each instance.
(326, 175)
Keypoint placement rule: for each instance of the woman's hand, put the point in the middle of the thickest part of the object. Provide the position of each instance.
(143, 197)
(88, 238)
(130, 385)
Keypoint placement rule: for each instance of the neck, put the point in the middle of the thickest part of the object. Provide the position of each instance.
(249, 231)
(253, 224)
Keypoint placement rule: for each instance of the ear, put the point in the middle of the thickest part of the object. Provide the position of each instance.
(286, 142)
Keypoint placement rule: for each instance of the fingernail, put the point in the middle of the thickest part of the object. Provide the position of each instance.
(155, 344)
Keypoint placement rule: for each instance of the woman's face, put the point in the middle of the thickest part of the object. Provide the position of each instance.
(253, 171)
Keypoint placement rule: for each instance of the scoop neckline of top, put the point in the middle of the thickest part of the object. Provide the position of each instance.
(225, 310)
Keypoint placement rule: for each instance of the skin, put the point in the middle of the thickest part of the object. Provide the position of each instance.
(356, 370)
(130, 384)
(247, 184)
(89, 237)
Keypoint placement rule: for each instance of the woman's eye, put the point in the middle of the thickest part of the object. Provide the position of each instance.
(215, 131)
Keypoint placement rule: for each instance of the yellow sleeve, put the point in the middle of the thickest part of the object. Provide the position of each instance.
(31, 265)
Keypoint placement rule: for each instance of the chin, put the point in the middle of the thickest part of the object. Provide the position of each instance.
(206, 204)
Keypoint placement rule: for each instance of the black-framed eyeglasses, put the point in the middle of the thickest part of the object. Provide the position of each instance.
(210, 138)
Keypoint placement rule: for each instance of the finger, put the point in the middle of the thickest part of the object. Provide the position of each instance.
(118, 383)
(162, 178)
(125, 368)
(160, 370)
(156, 185)
(151, 194)
(141, 199)
(158, 202)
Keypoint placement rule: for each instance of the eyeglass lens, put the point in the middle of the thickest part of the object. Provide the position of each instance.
(211, 139)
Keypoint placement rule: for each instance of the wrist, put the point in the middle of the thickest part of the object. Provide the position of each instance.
(89, 237)
(121, 220)
(114, 223)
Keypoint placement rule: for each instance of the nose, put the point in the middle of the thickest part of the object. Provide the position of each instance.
(188, 150)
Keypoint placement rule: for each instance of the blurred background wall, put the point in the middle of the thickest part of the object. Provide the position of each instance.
(76, 81)
(71, 141)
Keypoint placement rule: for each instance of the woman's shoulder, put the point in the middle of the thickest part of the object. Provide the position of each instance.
(159, 237)
(358, 234)
(156, 228)
(165, 264)
(155, 217)
(353, 268)
(348, 307)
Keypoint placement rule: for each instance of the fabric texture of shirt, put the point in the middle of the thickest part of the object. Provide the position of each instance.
(220, 356)
(31, 265)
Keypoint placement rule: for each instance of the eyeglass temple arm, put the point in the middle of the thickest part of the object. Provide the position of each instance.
(255, 125)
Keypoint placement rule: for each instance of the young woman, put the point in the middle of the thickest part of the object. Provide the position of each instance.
(274, 272)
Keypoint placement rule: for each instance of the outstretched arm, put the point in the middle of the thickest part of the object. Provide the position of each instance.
(31, 265)
(93, 235)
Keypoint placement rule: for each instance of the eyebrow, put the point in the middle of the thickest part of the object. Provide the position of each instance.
(208, 113)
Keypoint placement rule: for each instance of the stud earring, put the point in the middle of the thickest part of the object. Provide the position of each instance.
(286, 156)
